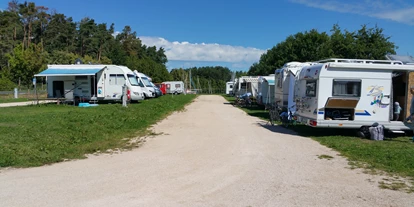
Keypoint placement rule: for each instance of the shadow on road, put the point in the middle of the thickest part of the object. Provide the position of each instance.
(277, 128)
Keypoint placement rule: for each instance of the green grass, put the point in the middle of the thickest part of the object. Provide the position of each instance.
(394, 156)
(11, 100)
(38, 135)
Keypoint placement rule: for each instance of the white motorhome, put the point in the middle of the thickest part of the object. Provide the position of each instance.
(342, 93)
(84, 83)
(285, 80)
(229, 87)
(145, 83)
(247, 84)
(174, 87)
(266, 86)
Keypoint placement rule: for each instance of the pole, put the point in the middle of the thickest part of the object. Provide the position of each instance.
(124, 95)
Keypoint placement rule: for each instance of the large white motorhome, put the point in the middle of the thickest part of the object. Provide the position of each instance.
(83, 83)
(145, 83)
(285, 80)
(353, 93)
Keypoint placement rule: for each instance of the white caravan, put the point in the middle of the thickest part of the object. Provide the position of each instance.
(266, 86)
(341, 93)
(229, 88)
(174, 87)
(246, 84)
(284, 82)
(90, 82)
(145, 83)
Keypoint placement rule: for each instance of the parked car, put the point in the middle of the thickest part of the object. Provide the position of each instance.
(158, 91)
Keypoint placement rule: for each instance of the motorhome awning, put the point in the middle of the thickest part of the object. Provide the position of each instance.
(69, 72)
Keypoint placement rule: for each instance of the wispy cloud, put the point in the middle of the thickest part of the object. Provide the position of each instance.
(399, 10)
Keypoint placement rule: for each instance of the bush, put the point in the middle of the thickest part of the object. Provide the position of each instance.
(6, 84)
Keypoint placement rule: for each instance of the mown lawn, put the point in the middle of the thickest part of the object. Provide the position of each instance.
(38, 135)
(11, 100)
(395, 156)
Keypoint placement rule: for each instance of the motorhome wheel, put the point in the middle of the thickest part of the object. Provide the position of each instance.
(363, 132)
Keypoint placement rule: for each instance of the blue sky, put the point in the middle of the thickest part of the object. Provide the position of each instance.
(234, 33)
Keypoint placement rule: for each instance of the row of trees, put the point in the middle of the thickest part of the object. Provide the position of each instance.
(365, 43)
(32, 36)
(206, 78)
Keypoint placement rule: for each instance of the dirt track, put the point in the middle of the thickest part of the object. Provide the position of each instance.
(212, 154)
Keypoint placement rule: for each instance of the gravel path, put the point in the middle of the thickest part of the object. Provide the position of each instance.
(26, 103)
(212, 154)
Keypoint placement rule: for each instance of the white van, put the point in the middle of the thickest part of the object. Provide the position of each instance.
(145, 83)
(82, 83)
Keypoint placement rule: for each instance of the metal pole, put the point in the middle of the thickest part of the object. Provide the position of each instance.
(124, 95)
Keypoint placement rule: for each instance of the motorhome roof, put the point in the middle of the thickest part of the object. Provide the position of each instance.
(371, 66)
(361, 61)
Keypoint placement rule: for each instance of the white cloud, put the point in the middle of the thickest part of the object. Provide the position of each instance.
(186, 51)
(399, 11)
(116, 33)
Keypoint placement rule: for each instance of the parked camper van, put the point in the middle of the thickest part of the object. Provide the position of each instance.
(174, 87)
(266, 90)
(90, 82)
(285, 80)
(341, 93)
(229, 88)
(246, 84)
(147, 88)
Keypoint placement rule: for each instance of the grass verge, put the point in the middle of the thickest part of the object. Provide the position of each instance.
(11, 100)
(38, 135)
(393, 156)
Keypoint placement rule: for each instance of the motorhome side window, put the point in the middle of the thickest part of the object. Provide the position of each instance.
(177, 85)
(311, 88)
(116, 79)
(350, 88)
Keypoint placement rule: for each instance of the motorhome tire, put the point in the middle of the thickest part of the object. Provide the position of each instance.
(363, 132)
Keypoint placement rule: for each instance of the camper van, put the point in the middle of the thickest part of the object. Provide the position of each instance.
(266, 86)
(354, 94)
(229, 88)
(285, 80)
(145, 83)
(174, 87)
(83, 83)
(246, 84)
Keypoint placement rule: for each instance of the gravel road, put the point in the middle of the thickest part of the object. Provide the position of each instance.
(212, 154)
(26, 103)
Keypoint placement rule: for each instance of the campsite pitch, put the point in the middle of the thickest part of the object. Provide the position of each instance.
(212, 154)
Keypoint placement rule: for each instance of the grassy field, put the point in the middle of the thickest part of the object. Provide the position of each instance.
(37, 135)
(394, 156)
(11, 100)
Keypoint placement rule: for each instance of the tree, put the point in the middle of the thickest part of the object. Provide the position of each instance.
(366, 43)
(25, 63)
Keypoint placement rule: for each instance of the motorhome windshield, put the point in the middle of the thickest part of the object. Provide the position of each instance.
(133, 80)
(146, 82)
(139, 82)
